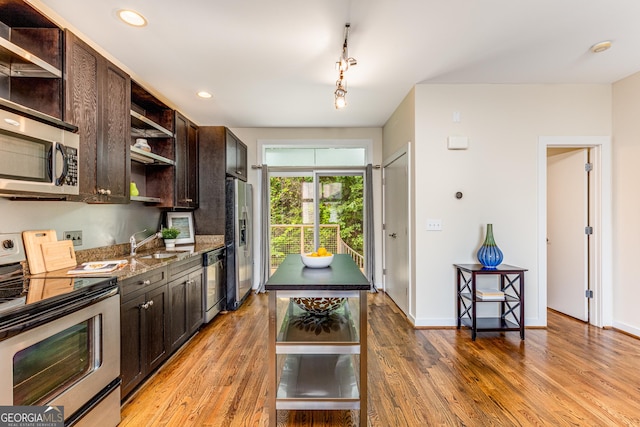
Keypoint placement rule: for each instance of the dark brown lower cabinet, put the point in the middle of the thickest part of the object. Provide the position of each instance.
(185, 300)
(160, 309)
(144, 334)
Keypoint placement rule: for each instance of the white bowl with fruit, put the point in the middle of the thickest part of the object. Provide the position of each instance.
(318, 259)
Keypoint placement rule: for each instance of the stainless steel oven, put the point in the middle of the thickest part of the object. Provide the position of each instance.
(63, 348)
(36, 157)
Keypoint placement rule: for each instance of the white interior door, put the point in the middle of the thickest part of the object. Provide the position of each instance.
(567, 243)
(396, 239)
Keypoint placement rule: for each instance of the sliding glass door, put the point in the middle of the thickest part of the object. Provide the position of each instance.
(315, 209)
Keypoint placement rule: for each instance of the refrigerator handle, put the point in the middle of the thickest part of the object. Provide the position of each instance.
(243, 229)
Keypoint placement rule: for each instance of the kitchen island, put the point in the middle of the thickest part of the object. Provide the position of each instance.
(318, 337)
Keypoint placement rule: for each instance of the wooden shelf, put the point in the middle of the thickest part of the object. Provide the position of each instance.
(146, 199)
(142, 127)
(148, 158)
(18, 62)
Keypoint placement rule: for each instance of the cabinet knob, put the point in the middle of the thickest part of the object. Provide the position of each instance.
(146, 305)
(145, 282)
(394, 235)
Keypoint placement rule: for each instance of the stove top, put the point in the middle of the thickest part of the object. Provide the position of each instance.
(21, 294)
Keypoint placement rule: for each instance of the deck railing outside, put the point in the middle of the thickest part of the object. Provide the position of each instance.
(298, 238)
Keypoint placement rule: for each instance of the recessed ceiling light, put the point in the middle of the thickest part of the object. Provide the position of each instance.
(204, 94)
(132, 17)
(601, 47)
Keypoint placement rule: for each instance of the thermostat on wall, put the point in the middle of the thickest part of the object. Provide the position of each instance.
(458, 143)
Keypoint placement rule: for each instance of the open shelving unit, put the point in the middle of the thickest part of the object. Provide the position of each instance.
(511, 306)
(151, 171)
(31, 60)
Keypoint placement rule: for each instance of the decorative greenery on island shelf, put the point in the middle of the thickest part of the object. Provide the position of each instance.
(170, 233)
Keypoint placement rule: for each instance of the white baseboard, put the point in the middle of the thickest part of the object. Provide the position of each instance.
(631, 330)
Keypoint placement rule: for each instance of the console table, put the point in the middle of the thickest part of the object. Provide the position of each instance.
(318, 361)
(511, 283)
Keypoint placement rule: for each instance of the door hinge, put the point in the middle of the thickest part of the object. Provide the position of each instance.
(384, 271)
(384, 226)
(588, 230)
(588, 167)
(589, 293)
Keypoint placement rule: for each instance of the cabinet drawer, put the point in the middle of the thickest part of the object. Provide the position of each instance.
(142, 282)
(178, 269)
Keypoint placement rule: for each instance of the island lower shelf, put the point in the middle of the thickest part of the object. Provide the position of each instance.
(318, 381)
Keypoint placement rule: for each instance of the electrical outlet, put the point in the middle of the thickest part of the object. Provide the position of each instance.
(74, 236)
(434, 225)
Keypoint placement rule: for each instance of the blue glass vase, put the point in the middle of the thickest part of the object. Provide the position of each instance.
(489, 254)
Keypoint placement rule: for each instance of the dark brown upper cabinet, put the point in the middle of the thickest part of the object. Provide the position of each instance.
(186, 184)
(97, 101)
(221, 154)
(236, 153)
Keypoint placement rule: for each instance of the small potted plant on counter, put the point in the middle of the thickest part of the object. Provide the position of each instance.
(169, 235)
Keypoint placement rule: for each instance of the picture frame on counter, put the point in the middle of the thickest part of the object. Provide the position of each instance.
(183, 221)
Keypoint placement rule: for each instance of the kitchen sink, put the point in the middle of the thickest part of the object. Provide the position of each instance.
(159, 255)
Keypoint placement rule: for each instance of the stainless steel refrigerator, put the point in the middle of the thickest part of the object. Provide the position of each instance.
(239, 241)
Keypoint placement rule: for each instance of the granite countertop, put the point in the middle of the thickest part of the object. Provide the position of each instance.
(138, 264)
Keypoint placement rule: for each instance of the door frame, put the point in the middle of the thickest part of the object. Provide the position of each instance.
(565, 264)
(406, 150)
(601, 310)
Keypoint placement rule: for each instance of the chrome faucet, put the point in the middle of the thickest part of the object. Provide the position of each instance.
(135, 245)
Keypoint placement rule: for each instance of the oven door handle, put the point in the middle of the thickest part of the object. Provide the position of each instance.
(21, 322)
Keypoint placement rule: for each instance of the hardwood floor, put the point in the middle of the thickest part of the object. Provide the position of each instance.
(569, 374)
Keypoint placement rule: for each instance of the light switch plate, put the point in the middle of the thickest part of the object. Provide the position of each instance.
(434, 225)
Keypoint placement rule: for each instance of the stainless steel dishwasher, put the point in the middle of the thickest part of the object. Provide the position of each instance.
(215, 278)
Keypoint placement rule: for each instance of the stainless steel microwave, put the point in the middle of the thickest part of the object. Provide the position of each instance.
(36, 157)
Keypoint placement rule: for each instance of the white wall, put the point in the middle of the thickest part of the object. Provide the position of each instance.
(101, 225)
(251, 136)
(398, 136)
(626, 203)
(401, 126)
(497, 175)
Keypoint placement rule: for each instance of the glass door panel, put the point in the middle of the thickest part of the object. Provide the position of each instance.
(340, 214)
(291, 216)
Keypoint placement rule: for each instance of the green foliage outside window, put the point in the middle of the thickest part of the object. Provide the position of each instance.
(346, 209)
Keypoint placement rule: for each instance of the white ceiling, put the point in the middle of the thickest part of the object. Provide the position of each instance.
(270, 63)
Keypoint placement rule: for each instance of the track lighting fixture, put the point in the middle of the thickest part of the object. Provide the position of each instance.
(341, 92)
(342, 65)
